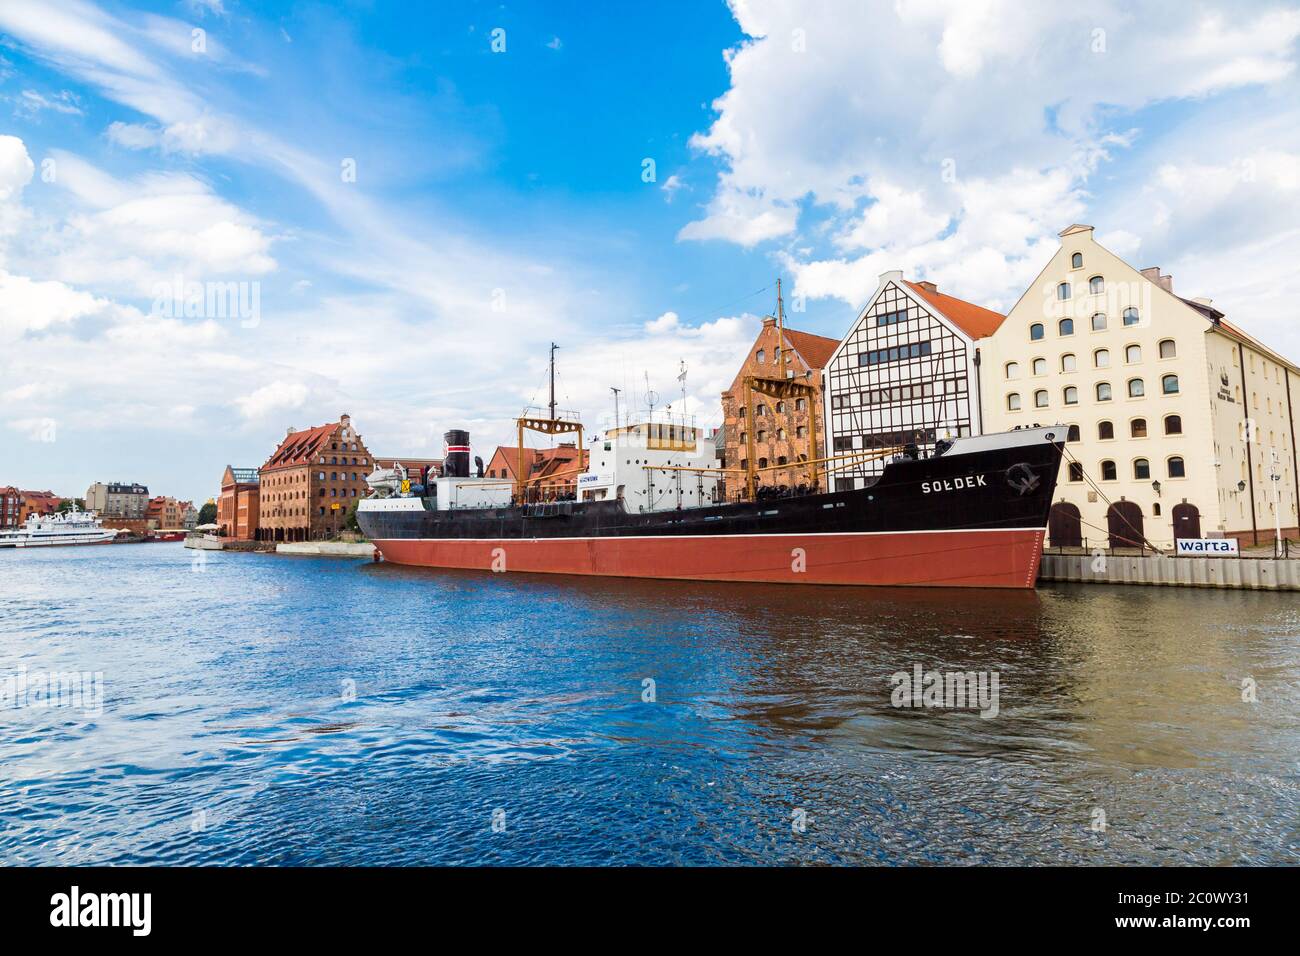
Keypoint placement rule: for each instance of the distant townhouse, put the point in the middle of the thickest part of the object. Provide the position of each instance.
(907, 372)
(552, 472)
(307, 486)
(1180, 424)
(164, 513)
(9, 498)
(781, 431)
(237, 505)
(37, 503)
(117, 500)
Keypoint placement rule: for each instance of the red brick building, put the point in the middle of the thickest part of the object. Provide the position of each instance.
(554, 470)
(9, 498)
(782, 429)
(311, 480)
(237, 506)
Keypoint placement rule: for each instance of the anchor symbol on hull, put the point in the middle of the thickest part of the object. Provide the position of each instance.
(1022, 479)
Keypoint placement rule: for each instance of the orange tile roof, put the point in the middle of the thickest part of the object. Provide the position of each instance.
(815, 349)
(300, 447)
(975, 320)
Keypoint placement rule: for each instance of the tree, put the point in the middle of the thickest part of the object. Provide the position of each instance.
(351, 521)
(208, 513)
(65, 504)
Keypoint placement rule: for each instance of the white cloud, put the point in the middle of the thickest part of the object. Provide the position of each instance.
(31, 102)
(276, 397)
(133, 135)
(127, 235)
(950, 139)
(16, 168)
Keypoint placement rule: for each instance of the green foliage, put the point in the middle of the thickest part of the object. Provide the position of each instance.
(208, 513)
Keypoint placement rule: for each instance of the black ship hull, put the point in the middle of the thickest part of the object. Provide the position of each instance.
(970, 519)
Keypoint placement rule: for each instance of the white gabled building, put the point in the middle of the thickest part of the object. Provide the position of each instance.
(907, 371)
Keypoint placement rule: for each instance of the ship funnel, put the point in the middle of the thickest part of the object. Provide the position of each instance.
(456, 464)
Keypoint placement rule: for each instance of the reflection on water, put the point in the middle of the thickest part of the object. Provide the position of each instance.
(294, 710)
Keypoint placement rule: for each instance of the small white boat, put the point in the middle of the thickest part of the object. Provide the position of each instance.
(72, 527)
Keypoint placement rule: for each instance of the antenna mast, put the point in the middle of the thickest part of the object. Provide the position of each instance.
(615, 391)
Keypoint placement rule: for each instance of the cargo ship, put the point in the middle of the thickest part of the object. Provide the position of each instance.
(650, 503)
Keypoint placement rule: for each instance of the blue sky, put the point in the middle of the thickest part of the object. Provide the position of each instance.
(499, 198)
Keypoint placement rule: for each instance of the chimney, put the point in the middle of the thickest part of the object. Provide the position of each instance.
(929, 287)
(769, 321)
(1165, 282)
(289, 431)
(344, 418)
(894, 276)
(1203, 300)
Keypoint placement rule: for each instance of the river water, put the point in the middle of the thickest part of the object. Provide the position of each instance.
(260, 709)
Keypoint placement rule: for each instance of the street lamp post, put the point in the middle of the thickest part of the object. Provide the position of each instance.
(1276, 479)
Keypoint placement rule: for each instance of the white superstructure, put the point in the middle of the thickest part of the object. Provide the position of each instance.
(74, 527)
(649, 466)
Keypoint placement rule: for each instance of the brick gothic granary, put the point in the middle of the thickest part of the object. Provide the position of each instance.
(782, 429)
(310, 481)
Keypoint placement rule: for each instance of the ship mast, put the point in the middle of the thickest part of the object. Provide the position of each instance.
(532, 419)
(553, 348)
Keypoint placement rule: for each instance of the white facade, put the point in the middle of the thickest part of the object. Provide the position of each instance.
(906, 371)
(639, 463)
(1174, 413)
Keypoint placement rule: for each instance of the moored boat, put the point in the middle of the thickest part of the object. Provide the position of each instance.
(71, 527)
(973, 514)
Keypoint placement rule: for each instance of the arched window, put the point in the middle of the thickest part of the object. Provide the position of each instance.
(1063, 291)
(1076, 471)
(1076, 261)
(1065, 327)
(1013, 402)
(1173, 425)
(1169, 384)
(1103, 391)
(1012, 369)
(1072, 433)
(1040, 366)
(1101, 358)
(1136, 388)
(1105, 431)
(1040, 398)
(1131, 316)
(1138, 428)
(1108, 472)
(800, 404)
(1155, 509)
(1132, 354)
(1071, 395)
(780, 408)
(1068, 363)
(1036, 331)
(761, 357)
(1096, 285)
(741, 415)
(1168, 349)
(1175, 467)
(762, 463)
(1141, 469)
(1098, 321)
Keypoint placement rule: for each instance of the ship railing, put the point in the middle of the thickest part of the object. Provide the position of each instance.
(543, 412)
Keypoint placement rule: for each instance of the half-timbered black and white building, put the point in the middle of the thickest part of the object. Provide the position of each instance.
(906, 372)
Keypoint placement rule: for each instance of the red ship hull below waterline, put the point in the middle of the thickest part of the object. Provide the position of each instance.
(1004, 558)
